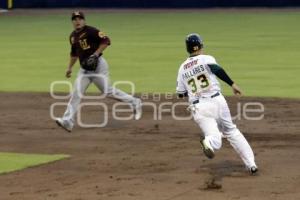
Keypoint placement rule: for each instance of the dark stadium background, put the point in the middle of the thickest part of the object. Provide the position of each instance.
(149, 3)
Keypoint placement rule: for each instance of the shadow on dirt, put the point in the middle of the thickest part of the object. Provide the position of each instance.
(217, 171)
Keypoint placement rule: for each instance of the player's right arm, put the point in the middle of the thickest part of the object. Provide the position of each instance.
(73, 57)
(180, 88)
(72, 62)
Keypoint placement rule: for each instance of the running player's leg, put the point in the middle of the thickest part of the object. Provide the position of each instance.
(233, 134)
(204, 116)
(211, 132)
(80, 85)
(103, 83)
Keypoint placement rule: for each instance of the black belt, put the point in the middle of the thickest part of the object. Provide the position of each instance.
(212, 96)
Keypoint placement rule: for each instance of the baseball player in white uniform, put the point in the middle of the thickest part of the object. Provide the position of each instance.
(197, 79)
(87, 45)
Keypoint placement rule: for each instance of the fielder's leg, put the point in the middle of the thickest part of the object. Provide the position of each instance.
(80, 85)
(103, 84)
(234, 136)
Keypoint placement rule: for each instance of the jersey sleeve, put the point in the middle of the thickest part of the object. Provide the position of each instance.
(73, 52)
(210, 60)
(180, 88)
(215, 68)
(104, 39)
(100, 36)
(220, 73)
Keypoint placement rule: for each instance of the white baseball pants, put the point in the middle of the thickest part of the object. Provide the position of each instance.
(100, 77)
(213, 117)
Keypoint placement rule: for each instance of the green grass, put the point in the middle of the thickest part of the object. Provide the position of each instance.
(10, 162)
(259, 50)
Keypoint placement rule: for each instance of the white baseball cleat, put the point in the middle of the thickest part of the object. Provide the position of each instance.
(137, 109)
(207, 149)
(64, 124)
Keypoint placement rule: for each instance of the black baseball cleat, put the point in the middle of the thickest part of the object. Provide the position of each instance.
(207, 149)
(253, 170)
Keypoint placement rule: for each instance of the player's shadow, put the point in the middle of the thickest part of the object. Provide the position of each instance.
(225, 168)
(221, 169)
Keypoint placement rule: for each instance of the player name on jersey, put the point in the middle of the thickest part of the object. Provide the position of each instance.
(193, 72)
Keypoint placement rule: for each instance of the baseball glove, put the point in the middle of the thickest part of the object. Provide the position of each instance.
(90, 63)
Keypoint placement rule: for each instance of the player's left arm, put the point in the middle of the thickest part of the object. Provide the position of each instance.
(100, 49)
(104, 42)
(221, 74)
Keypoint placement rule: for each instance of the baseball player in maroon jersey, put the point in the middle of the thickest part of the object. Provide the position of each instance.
(87, 45)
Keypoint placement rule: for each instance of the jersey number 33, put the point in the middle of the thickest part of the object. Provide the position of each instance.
(198, 83)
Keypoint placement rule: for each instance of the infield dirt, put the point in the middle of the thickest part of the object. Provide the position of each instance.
(147, 159)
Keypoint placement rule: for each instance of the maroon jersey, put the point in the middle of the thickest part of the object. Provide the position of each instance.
(86, 41)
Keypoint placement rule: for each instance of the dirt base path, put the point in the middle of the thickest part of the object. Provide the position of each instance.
(147, 159)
